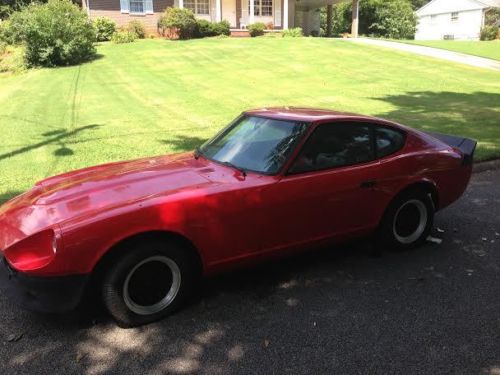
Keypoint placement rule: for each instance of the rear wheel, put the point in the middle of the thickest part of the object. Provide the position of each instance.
(407, 221)
(149, 282)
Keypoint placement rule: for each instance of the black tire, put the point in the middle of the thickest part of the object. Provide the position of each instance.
(407, 221)
(136, 288)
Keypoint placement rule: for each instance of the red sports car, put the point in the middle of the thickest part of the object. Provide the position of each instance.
(275, 180)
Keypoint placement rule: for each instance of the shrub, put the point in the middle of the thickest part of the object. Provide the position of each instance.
(55, 33)
(256, 29)
(6, 32)
(221, 28)
(181, 20)
(3, 47)
(12, 59)
(489, 32)
(137, 28)
(293, 33)
(104, 29)
(206, 28)
(123, 36)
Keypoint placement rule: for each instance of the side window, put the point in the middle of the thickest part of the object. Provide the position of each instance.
(388, 141)
(335, 145)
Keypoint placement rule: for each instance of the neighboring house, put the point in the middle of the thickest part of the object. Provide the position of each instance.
(282, 14)
(452, 19)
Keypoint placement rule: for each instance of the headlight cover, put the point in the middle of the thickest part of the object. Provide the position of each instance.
(34, 252)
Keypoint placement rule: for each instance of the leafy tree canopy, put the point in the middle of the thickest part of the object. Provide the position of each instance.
(383, 18)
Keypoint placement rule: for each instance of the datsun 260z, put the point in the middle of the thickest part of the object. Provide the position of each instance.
(143, 232)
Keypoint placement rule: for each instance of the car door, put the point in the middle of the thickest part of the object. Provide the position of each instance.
(329, 189)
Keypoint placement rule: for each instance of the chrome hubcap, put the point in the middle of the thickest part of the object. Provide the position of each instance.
(152, 285)
(410, 221)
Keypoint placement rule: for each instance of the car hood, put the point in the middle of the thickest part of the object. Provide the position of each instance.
(87, 191)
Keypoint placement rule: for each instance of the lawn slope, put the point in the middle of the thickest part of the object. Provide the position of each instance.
(155, 96)
(488, 49)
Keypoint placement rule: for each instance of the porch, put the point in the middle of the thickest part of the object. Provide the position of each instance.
(275, 14)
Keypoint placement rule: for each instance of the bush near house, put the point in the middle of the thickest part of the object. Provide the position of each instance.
(53, 34)
(292, 33)
(104, 28)
(491, 30)
(123, 36)
(206, 28)
(137, 27)
(180, 20)
(489, 33)
(256, 29)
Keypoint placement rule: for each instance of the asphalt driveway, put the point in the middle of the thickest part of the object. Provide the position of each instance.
(338, 311)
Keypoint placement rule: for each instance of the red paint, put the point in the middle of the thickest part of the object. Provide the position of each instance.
(229, 218)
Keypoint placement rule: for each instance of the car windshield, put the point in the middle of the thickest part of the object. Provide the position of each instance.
(255, 144)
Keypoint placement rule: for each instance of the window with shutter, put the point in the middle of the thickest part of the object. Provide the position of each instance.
(124, 6)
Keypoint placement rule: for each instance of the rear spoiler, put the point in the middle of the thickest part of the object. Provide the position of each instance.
(466, 145)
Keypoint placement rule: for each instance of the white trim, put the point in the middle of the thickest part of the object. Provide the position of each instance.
(181, 4)
(218, 10)
(285, 14)
(251, 16)
(479, 3)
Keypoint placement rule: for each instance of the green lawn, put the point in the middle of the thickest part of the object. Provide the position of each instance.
(489, 49)
(155, 96)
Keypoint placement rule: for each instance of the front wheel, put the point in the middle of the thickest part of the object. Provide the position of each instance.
(149, 282)
(407, 221)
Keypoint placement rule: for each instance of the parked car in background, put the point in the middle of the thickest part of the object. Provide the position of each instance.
(274, 181)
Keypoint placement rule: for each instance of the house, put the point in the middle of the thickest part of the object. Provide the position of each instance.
(452, 19)
(281, 14)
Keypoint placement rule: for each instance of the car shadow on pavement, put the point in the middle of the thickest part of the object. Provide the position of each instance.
(232, 316)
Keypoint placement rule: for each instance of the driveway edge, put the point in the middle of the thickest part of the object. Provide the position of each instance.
(486, 166)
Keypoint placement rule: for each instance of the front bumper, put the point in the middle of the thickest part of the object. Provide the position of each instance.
(43, 294)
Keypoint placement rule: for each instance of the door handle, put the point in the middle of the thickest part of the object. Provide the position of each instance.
(368, 184)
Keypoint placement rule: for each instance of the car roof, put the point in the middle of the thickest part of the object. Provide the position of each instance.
(308, 114)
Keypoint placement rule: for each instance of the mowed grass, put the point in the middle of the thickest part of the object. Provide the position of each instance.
(488, 49)
(156, 97)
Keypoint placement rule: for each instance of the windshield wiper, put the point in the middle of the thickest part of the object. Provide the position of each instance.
(231, 165)
(197, 152)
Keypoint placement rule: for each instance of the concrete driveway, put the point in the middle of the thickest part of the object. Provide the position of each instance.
(461, 58)
(336, 311)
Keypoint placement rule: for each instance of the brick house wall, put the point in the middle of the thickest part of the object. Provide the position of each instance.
(111, 9)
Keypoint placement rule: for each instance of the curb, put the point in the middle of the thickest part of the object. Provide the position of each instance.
(486, 166)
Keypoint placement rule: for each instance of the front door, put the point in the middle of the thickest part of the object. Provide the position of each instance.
(229, 12)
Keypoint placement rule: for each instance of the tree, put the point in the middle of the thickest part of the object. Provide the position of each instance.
(9, 6)
(383, 18)
(417, 4)
(395, 20)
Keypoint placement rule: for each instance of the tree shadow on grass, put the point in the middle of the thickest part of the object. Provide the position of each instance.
(57, 137)
(183, 143)
(4, 197)
(475, 115)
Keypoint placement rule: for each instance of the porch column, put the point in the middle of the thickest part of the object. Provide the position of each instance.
(218, 11)
(181, 4)
(251, 16)
(355, 18)
(285, 14)
(329, 14)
